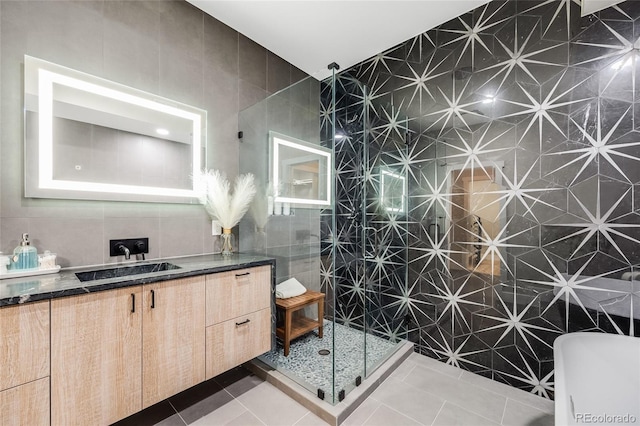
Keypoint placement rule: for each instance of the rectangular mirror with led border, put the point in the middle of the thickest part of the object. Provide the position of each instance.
(94, 139)
(299, 171)
(393, 191)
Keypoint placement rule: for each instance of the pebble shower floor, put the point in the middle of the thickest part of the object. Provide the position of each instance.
(304, 362)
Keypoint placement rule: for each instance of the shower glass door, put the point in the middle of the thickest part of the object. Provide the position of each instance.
(355, 250)
(385, 231)
(291, 236)
(366, 233)
(344, 131)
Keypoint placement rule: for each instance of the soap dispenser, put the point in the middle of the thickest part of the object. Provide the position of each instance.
(25, 256)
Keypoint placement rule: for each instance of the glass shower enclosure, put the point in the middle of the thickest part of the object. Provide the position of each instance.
(352, 250)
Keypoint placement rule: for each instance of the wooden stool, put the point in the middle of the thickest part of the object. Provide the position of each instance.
(296, 327)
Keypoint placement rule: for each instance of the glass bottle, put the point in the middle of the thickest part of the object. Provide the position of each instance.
(25, 256)
(228, 242)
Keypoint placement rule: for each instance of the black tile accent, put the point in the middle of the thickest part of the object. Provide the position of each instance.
(196, 402)
(537, 105)
(160, 412)
(238, 381)
(200, 400)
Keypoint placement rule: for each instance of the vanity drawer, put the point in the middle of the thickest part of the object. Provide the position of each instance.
(235, 293)
(233, 342)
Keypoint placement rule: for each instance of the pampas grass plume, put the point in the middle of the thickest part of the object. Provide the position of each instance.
(221, 204)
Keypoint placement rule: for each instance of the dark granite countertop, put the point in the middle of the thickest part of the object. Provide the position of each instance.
(14, 291)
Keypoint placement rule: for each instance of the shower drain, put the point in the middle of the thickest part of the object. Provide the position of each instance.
(324, 352)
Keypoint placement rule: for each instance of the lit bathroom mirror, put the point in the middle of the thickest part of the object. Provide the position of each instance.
(300, 171)
(392, 191)
(94, 139)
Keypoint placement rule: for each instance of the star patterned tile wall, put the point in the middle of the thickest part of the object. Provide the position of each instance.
(488, 187)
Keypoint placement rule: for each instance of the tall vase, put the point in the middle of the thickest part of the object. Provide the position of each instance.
(228, 242)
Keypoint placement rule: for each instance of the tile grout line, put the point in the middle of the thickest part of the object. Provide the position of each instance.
(230, 394)
(302, 418)
(477, 414)
(438, 413)
(404, 414)
(469, 384)
(369, 416)
(431, 393)
(480, 387)
(483, 387)
(520, 401)
(459, 376)
(246, 410)
(180, 416)
(504, 411)
(422, 390)
(233, 398)
(509, 389)
(406, 375)
(256, 416)
(528, 405)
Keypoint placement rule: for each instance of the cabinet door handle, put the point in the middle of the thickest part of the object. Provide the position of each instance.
(133, 303)
(153, 299)
(247, 321)
(243, 275)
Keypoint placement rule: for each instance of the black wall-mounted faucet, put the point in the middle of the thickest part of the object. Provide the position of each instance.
(127, 247)
(122, 249)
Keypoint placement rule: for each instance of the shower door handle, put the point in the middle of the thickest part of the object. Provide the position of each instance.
(434, 236)
(370, 254)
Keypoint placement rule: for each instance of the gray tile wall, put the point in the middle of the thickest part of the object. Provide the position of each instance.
(169, 48)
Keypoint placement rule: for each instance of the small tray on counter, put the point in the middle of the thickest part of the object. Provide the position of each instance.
(29, 272)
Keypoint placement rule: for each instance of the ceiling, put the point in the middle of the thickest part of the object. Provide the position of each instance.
(311, 34)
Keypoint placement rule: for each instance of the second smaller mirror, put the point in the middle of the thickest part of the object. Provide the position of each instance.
(392, 191)
(299, 171)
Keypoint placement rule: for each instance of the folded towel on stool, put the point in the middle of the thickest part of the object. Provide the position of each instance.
(289, 288)
(631, 276)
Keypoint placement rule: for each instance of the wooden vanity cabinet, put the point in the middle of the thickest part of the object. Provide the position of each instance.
(96, 368)
(173, 333)
(119, 351)
(238, 317)
(24, 364)
(116, 352)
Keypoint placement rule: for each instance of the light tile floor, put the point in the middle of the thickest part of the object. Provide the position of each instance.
(421, 391)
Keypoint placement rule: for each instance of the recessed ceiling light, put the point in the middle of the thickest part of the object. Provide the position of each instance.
(163, 132)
